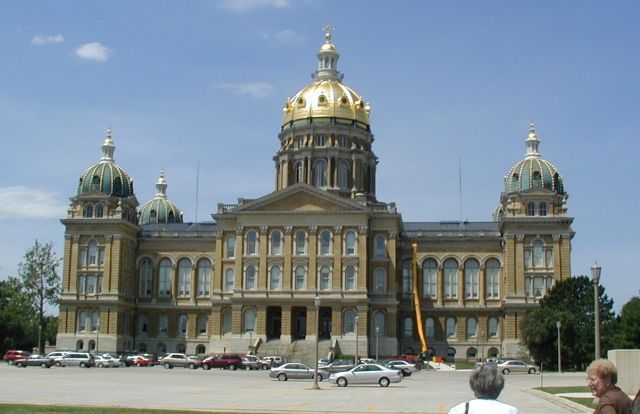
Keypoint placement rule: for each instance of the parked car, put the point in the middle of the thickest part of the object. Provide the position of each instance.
(507, 367)
(339, 365)
(274, 360)
(179, 360)
(56, 355)
(41, 361)
(139, 361)
(224, 361)
(254, 362)
(400, 363)
(13, 354)
(107, 361)
(297, 370)
(81, 359)
(405, 372)
(367, 374)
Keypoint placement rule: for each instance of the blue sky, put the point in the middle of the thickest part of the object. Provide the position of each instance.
(183, 83)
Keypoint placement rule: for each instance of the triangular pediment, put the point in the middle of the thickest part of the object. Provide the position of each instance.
(302, 198)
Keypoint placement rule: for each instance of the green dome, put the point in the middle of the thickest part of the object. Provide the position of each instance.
(160, 209)
(533, 172)
(106, 176)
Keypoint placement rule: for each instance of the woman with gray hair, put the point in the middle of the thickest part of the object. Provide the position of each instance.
(486, 383)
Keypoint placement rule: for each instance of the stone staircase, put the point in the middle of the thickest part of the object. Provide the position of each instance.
(298, 351)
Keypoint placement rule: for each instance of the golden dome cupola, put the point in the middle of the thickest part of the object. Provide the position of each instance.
(325, 139)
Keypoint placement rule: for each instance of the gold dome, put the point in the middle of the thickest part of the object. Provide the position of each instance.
(326, 99)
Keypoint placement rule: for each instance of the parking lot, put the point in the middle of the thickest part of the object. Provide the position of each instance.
(254, 391)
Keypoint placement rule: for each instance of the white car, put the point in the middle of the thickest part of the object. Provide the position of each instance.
(107, 361)
(366, 374)
(400, 363)
(56, 355)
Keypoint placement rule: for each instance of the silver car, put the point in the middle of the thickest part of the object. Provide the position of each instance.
(367, 374)
(296, 370)
(507, 367)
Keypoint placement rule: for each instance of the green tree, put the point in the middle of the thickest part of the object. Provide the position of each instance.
(17, 315)
(627, 333)
(40, 279)
(571, 302)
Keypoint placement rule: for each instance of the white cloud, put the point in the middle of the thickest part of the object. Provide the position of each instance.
(93, 51)
(43, 40)
(20, 202)
(255, 89)
(240, 6)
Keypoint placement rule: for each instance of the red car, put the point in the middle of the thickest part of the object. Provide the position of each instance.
(140, 361)
(226, 361)
(13, 354)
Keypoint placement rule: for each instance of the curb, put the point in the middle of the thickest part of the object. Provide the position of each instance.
(574, 407)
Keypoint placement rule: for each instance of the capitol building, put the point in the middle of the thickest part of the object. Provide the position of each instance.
(321, 246)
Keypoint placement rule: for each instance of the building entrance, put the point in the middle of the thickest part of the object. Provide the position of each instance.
(274, 322)
(325, 323)
(298, 322)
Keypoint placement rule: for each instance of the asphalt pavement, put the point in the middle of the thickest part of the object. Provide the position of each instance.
(254, 392)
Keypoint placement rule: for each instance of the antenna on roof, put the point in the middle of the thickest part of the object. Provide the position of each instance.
(460, 186)
(197, 188)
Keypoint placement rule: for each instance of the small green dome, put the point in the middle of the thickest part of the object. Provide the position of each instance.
(533, 172)
(106, 176)
(160, 209)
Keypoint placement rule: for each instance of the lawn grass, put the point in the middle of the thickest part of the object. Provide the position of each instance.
(587, 402)
(46, 409)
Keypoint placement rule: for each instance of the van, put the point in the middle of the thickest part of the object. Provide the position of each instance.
(80, 359)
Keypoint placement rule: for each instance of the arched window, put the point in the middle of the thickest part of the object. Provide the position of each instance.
(451, 327)
(250, 277)
(226, 322)
(201, 324)
(88, 210)
(161, 349)
(182, 325)
(82, 321)
(81, 284)
(79, 345)
(251, 247)
(429, 327)
(472, 327)
(493, 327)
(164, 282)
(429, 278)
(320, 139)
(350, 277)
(300, 277)
(171, 217)
(230, 247)
(493, 279)
(229, 280)
(181, 348)
(184, 277)
(350, 245)
(146, 277)
(275, 282)
(301, 243)
(163, 324)
(407, 277)
(380, 247)
(325, 243)
(143, 324)
(299, 169)
(117, 186)
(515, 182)
(378, 323)
(95, 320)
(407, 327)
(142, 347)
(201, 349)
(204, 277)
(320, 173)
(471, 278)
(276, 243)
(531, 208)
(325, 277)
(249, 321)
(92, 345)
(99, 210)
(379, 281)
(95, 183)
(542, 208)
(349, 321)
(152, 215)
(450, 278)
(537, 179)
(92, 257)
(343, 175)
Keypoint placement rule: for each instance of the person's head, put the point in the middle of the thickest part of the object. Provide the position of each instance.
(602, 375)
(486, 381)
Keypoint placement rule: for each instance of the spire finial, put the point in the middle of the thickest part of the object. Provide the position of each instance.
(328, 28)
(161, 185)
(108, 147)
(532, 125)
(532, 141)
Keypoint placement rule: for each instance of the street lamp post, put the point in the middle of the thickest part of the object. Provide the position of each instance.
(558, 325)
(98, 336)
(40, 338)
(356, 359)
(377, 334)
(595, 278)
(315, 371)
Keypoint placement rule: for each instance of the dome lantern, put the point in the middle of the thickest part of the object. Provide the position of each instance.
(532, 142)
(328, 59)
